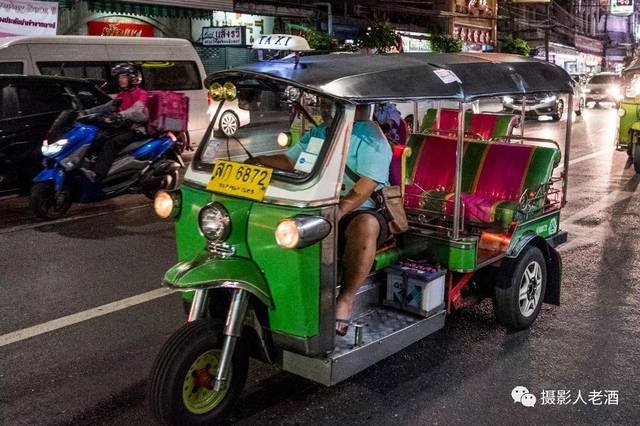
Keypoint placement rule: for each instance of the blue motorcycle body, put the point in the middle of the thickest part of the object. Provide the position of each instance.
(138, 168)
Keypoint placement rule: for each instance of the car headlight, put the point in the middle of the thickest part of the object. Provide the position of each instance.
(167, 203)
(292, 93)
(614, 91)
(621, 112)
(549, 99)
(284, 139)
(214, 222)
(507, 99)
(54, 148)
(301, 231)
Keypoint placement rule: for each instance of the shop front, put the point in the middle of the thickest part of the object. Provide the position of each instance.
(474, 23)
(590, 53)
(224, 39)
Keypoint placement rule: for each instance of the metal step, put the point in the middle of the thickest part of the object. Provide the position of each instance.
(367, 298)
(383, 332)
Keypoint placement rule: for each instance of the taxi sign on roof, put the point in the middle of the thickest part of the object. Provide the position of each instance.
(282, 42)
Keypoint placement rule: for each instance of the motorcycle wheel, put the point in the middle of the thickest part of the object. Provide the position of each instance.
(181, 381)
(168, 182)
(48, 205)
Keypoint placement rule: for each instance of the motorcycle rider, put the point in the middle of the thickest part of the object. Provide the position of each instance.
(128, 115)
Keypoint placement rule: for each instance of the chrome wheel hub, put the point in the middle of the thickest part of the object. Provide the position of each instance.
(229, 124)
(530, 289)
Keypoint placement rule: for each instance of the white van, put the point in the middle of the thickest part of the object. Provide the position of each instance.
(166, 63)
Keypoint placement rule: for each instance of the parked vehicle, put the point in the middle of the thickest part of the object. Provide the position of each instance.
(166, 64)
(628, 135)
(28, 107)
(603, 87)
(541, 105)
(143, 166)
(257, 247)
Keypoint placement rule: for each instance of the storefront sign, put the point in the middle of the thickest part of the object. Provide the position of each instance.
(224, 36)
(621, 7)
(119, 29)
(23, 17)
(587, 45)
(414, 42)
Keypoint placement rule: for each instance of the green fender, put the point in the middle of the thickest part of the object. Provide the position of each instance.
(635, 125)
(206, 271)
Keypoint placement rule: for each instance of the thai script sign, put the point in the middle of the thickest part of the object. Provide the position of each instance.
(224, 36)
(119, 29)
(23, 17)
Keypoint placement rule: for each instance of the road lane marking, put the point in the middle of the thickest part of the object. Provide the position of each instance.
(56, 324)
(588, 157)
(18, 228)
(608, 201)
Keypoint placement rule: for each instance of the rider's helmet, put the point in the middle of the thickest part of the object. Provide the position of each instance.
(128, 69)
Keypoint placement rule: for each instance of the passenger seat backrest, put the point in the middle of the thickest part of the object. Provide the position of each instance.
(447, 120)
(429, 119)
(543, 161)
(484, 125)
(504, 170)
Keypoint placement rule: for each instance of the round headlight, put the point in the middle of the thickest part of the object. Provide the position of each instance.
(163, 204)
(215, 223)
(621, 112)
(287, 234)
(284, 139)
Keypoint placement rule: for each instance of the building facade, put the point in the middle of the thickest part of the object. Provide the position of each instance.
(581, 35)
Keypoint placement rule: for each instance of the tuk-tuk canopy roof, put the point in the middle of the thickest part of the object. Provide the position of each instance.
(412, 76)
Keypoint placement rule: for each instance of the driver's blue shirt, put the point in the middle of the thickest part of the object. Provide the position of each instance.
(369, 154)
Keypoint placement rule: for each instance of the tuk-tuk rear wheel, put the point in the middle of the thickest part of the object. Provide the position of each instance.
(181, 380)
(520, 290)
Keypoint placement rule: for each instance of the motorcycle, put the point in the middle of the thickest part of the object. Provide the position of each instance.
(143, 166)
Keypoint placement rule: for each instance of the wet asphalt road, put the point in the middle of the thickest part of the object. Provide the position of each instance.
(94, 372)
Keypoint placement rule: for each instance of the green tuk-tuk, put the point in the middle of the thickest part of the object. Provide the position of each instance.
(258, 249)
(627, 138)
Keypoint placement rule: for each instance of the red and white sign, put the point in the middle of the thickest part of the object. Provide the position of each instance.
(119, 29)
(24, 17)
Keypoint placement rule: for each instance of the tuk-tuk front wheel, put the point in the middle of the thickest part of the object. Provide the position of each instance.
(181, 389)
(520, 289)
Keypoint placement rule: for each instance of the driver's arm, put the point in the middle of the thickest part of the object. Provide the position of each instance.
(360, 193)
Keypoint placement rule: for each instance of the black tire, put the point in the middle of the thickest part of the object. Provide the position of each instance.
(559, 111)
(225, 124)
(48, 205)
(172, 365)
(635, 156)
(168, 182)
(506, 302)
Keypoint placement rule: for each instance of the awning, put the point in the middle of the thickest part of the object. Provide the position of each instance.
(160, 9)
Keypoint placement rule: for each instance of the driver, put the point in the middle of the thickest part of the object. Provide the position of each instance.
(129, 115)
(362, 229)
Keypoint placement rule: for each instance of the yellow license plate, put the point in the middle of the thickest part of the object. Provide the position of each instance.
(240, 180)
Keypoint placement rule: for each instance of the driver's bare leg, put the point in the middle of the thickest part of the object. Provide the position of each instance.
(359, 253)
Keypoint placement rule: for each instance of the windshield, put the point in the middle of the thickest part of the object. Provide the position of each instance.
(268, 119)
(604, 79)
